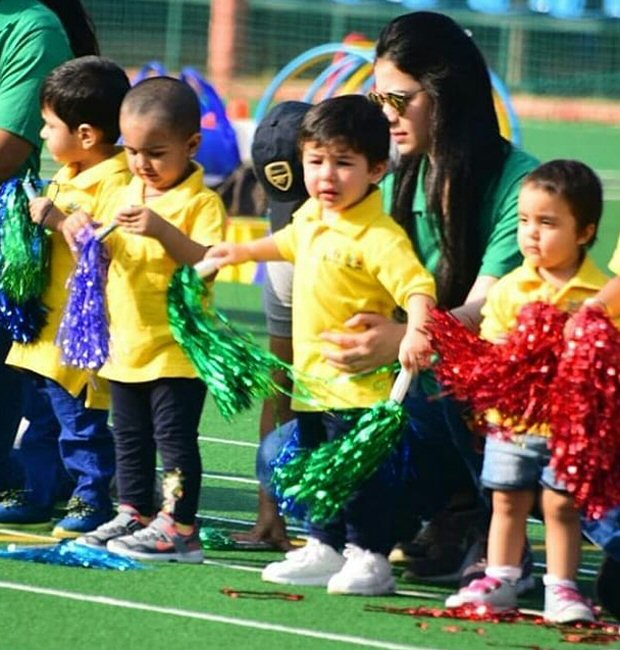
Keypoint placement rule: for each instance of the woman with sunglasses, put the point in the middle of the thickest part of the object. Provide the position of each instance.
(454, 190)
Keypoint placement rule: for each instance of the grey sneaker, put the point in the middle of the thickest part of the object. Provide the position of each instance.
(126, 522)
(160, 541)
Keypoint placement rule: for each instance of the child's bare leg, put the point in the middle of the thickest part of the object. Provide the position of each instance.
(563, 534)
(507, 530)
(563, 602)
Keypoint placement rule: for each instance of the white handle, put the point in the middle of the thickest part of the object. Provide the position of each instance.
(401, 385)
(31, 193)
(102, 234)
(206, 267)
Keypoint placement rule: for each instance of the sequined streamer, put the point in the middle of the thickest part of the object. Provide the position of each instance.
(24, 271)
(585, 414)
(22, 320)
(83, 334)
(69, 553)
(288, 470)
(235, 369)
(213, 539)
(335, 471)
(514, 377)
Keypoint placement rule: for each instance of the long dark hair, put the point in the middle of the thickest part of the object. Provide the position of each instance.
(466, 146)
(77, 24)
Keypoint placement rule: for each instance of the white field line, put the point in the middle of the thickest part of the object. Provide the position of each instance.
(212, 618)
(233, 479)
(244, 522)
(222, 477)
(224, 441)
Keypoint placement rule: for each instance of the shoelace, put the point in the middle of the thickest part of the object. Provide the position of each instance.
(570, 594)
(485, 585)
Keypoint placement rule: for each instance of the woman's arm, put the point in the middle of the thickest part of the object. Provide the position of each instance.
(469, 314)
(14, 152)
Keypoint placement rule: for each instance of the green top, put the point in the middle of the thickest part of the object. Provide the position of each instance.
(498, 218)
(32, 43)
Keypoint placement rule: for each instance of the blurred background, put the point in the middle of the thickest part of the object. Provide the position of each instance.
(558, 61)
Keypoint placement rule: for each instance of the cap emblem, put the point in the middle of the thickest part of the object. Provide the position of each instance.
(280, 175)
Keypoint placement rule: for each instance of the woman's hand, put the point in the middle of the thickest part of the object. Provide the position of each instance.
(367, 350)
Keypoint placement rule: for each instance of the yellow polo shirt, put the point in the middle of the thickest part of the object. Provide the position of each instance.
(525, 285)
(90, 190)
(614, 263)
(142, 347)
(361, 262)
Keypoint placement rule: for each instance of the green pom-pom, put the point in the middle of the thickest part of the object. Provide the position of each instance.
(24, 274)
(236, 370)
(337, 469)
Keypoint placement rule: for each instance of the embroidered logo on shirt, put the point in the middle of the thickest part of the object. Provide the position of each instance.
(347, 260)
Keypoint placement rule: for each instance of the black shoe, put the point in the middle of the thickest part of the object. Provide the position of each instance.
(444, 547)
(608, 586)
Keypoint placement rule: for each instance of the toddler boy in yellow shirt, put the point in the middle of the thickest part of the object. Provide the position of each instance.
(68, 409)
(350, 257)
(157, 397)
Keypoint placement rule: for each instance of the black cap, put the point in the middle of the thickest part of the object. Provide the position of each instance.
(275, 156)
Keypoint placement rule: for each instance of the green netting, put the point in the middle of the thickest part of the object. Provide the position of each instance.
(533, 53)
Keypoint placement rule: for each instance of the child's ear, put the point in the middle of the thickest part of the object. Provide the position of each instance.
(193, 143)
(89, 135)
(378, 171)
(586, 234)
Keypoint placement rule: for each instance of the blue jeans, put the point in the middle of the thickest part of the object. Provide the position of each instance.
(67, 439)
(519, 465)
(605, 532)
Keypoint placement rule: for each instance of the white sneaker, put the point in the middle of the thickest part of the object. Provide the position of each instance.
(365, 574)
(313, 564)
(500, 594)
(566, 605)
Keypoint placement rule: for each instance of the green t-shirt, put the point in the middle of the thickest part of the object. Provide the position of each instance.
(32, 43)
(498, 218)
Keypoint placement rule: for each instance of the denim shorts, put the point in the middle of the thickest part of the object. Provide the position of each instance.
(277, 298)
(519, 465)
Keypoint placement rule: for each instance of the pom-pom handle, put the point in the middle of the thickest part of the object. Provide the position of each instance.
(102, 234)
(206, 267)
(401, 385)
(29, 189)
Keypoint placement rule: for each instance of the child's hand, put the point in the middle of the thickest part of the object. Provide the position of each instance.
(227, 254)
(73, 224)
(140, 220)
(39, 209)
(45, 213)
(415, 351)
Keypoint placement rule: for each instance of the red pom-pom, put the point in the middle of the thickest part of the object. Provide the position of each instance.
(585, 413)
(513, 377)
